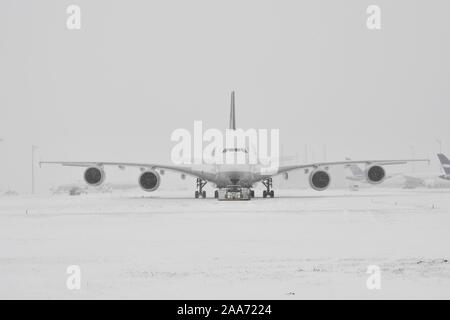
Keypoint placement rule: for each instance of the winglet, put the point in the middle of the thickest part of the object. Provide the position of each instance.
(232, 113)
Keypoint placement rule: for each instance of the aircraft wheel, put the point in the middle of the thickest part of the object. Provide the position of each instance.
(196, 194)
(204, 194)
(272, 194)
(264, 194)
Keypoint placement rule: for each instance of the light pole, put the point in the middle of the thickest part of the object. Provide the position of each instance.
(412, 157)
(306, 153)
(33, 149)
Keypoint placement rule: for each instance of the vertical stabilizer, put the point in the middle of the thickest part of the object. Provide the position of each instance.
(355, 169)
(444, 162)
(232, 113)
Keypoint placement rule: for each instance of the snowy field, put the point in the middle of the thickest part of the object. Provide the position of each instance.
(302, 244)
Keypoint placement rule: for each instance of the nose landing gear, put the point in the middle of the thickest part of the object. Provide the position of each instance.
(200, 192)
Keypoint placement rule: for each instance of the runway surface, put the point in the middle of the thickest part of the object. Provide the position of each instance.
(302, 244)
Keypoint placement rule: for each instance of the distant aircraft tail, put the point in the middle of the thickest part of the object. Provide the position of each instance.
(355, 169)
(444, 162)
(232, 113)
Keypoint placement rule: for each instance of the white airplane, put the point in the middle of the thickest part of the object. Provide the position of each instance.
(232, 181)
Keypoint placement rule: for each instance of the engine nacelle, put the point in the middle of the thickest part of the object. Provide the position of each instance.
(94, 176)
(375, 174)
(149, 180)
(319, 180)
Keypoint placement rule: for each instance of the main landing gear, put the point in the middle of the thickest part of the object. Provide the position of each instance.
(200, 192)
(268, 184)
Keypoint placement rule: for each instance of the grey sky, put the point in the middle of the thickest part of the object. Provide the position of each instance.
(137, 70)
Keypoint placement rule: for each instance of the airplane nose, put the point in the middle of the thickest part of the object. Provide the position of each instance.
(235, 177)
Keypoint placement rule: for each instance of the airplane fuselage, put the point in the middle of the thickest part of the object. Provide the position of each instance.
(243, 175)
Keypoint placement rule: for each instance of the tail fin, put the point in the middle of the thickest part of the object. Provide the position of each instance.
(232, 113)
(355, 169)
(444, 162)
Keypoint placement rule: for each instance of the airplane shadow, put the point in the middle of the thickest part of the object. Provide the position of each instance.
(342, 196)
(346, 196)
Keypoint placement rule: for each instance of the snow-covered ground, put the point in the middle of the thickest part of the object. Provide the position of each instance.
(302, 244)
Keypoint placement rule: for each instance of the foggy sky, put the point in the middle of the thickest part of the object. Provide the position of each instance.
(137, 70)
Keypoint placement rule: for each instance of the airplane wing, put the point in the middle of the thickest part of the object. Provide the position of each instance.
(284, 169)
(144, 166)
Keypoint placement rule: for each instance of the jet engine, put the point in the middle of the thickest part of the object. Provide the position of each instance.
(375, 174)
(149, 180)
(94, 176)
(319, 180)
